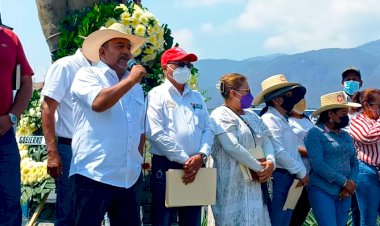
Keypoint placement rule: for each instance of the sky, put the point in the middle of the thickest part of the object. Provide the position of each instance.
(230, 29)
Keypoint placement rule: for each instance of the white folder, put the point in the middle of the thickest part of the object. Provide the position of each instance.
(202, 191)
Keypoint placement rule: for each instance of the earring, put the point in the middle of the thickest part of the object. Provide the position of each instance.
(331, 121)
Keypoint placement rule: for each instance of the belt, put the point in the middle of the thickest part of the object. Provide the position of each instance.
(64, 140)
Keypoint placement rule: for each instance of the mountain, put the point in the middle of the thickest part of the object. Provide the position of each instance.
(318, 70)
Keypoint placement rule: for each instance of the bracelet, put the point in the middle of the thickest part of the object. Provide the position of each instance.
(345, 183)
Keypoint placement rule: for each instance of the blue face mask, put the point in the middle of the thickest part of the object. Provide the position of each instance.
(350, 87)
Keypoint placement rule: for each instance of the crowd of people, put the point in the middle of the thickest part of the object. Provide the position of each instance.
(96, 121)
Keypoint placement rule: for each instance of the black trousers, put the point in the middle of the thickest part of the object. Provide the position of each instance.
(91, 199)
(302, 209)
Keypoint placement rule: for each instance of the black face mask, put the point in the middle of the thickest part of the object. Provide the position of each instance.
(288, 104)
(343, 122)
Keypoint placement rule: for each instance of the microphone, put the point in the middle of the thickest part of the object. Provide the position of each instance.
(132, 62)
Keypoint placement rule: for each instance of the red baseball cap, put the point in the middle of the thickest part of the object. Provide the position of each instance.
(177, 54)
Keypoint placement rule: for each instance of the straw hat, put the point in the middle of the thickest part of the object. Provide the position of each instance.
(96, 39)
(334, 100)
(271, 84)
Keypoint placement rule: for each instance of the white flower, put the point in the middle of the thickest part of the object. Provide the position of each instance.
(32, 112)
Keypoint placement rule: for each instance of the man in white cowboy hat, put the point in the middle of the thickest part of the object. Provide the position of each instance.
(58, 131)
(280, 96)
(108, 135)
(334, 165)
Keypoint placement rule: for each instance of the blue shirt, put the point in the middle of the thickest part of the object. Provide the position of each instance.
(333, 159)
(105, 144)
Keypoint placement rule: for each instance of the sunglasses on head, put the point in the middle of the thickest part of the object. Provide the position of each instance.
(182, 64)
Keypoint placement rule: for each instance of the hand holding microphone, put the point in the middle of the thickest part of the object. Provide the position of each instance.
(137, 71)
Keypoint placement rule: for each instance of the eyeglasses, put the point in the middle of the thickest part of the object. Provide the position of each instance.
(182, 64)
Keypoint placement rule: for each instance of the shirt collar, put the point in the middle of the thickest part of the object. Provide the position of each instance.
(277, 113)
(104, 68)
(79, 55)
(170, 86)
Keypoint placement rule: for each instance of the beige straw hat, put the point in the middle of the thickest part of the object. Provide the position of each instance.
(334, 100)
(271, 84)
(96, 39)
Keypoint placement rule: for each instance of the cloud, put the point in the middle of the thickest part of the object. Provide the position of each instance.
(296, 25)
(196, 3)
(207, 27)
(185, 38)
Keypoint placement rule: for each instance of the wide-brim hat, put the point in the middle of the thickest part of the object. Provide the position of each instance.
(272, 84)
(96, 39)
(333, 101)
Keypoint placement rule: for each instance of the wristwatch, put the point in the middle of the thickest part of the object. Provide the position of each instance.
(13, 118)
(204, 157)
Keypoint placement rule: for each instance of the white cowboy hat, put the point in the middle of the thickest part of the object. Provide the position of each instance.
(274, 83)
(96, 39)
(334, 100)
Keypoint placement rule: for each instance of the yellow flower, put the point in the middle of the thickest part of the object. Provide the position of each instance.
(152, 39)
(109, 22)
(122, 6)
(140, 30)
(137, 52)
(23, 131)
(25, 171)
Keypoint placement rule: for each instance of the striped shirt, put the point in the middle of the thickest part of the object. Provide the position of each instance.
(366, 135)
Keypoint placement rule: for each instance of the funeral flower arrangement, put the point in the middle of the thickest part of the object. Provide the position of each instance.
(139, 21)
(30, 120)
(35, 181)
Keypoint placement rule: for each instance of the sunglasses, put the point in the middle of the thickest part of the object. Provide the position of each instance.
(182, 64)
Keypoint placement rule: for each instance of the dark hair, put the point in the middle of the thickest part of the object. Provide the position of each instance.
(231, 81)
(265, 109)
(324, 116)
(365, 96)
(351, 70)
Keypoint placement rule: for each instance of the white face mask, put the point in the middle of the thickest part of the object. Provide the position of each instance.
(181, 74)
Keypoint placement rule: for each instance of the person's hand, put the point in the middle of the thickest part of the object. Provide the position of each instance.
(267, 171)
(54, 164)
(344, 194)
(5, 124)
(137, 73)
(191, 167)
(350, 186)
(303, 181)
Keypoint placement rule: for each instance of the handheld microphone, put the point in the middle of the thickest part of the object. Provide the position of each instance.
(132, 62)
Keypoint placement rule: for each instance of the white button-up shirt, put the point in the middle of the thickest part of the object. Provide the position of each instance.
(105, 144)
(178, 126)
(57, 86)
(284, 142)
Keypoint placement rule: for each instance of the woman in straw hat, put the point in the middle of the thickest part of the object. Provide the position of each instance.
(365, 130)
(300, 124)
(241, 200)
(334, 166)
(280, 96)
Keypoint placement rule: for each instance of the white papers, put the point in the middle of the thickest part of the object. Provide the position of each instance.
(202, 191)
(293, 196)
(16, 77)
